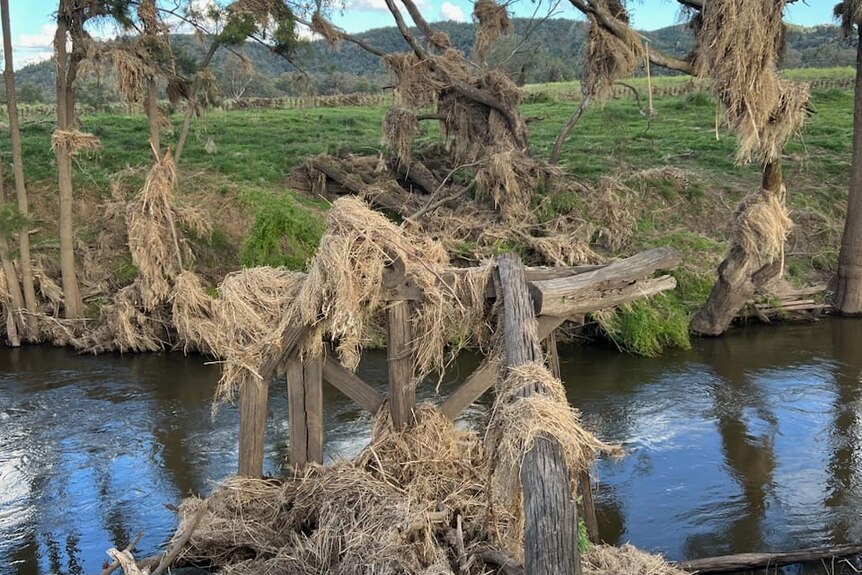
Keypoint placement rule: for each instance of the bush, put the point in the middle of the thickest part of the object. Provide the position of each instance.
(284, 234)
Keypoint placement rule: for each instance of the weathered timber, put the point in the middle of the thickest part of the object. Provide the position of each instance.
(289, 339)
(352, 386)
(569, 295)
(550, 511)
(399, 289)
(402, 392)
(585, 487)
(253, 398)
(483, 377)
(305, 405)
(746, 561)
(417, 173)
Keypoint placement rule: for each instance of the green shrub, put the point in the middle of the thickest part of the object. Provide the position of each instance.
(284, 232)
(647, 327)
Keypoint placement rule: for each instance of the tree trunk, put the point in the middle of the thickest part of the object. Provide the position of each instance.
(151, 103)
(848, 289)
(74, 306)
(191, 103)
(739, 275)
(18, 163)
(17, 300)
(550, 511)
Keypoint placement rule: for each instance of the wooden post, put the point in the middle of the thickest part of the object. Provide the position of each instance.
(305, 406)
(550, 511)
(585, 487)
(253, 399)
(402, 393)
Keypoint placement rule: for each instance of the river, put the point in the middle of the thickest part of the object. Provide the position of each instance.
(750, 442)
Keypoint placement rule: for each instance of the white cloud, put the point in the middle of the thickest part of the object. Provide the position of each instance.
(32, 48)
(379, 5)
(449, 11)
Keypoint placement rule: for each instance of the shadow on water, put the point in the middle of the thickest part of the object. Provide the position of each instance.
(746, 443)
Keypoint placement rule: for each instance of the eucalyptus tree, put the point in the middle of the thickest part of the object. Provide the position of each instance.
(848, 287)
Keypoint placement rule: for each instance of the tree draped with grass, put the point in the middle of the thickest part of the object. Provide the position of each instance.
(848, 288)
(738, 45)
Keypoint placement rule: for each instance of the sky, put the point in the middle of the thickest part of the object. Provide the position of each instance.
(32, 31)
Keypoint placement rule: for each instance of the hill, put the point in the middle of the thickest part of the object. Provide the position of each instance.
(553, 51)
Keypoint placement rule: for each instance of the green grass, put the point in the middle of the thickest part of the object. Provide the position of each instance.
(245, 159)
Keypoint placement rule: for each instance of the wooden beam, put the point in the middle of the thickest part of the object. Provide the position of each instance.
(561, 296)
(313, 385)
(296, 412)
(253, 399)
(289, 339)
(402, 392)
(305, 407)
(483, 377)
(751, 561)
(585, 487)
(352, 386)
(550, 512)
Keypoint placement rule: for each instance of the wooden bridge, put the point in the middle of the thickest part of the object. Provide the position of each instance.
(536, 301)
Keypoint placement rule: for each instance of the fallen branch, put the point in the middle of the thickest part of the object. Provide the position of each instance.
(747, 561)
(170, 556)
(116, 564)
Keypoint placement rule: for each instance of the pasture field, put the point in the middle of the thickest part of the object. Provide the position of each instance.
(678, 166)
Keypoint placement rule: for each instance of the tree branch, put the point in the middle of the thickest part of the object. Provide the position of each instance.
(615, 27)
(436, 37)
(348, 38)
(405, 31)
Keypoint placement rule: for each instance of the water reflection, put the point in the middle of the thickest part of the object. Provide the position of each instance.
(746, 443)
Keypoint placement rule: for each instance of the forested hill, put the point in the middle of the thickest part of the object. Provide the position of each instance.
(552, 52)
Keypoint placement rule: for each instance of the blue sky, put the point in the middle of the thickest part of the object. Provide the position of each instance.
(32, 31)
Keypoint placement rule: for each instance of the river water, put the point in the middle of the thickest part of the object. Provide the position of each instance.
(750, 442)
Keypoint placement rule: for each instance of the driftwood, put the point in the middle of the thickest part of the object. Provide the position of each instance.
(550, 512)
(746, 561)
(116, 564)
(171, 555)
(606, 287)
(787, 302)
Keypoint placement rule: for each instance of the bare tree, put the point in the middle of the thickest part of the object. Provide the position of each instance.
(18, 166)
(848, 288)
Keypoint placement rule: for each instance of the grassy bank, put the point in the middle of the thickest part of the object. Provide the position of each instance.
(677, 168)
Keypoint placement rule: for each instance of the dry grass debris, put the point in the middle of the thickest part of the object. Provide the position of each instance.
(493, 21)
(400, 128)
(74, 141)
(625, 560)
(518, 418)
(609, 56)
(344, 293)
(760, 226)
(738, 45)
(322, 26)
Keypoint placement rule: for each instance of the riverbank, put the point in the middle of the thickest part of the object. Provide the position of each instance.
(668, 179)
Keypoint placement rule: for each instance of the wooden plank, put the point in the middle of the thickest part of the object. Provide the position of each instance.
(402, 392)
(313, 387)
(483, 377)
(560, 296)
(352, 386)
(253, 399)
(397, 290)
(296, 411)
(613, 297)
(585, 486)
(550, 511)
(289, 339)
(750, 561)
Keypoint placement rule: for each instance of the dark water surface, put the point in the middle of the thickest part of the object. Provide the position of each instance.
(751, 442)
